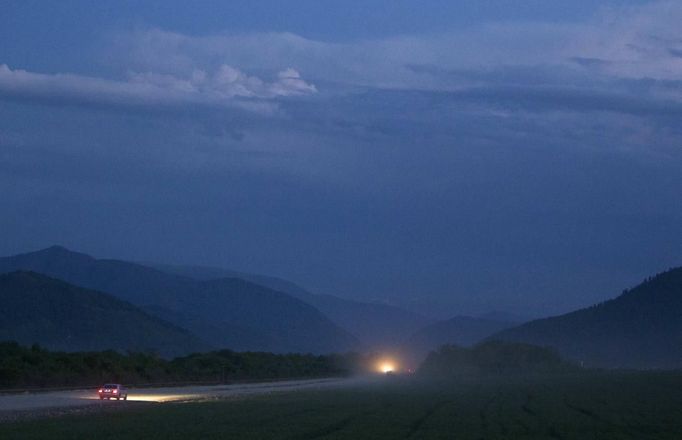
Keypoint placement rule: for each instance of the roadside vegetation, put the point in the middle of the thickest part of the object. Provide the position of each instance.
(35, 367)
(493, 358)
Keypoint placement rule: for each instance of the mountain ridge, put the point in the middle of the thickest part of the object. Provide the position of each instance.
(275, 321)
(376, 325)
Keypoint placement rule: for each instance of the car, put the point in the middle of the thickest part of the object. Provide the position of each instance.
(113, 391)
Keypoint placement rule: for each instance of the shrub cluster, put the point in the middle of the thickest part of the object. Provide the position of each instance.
(493, 358)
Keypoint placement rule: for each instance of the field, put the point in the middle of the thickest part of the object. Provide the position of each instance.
(580, 406)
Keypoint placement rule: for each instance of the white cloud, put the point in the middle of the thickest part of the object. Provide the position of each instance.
(228, 82)
(226, 87)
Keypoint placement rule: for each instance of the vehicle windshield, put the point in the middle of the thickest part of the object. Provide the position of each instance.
(109, 386)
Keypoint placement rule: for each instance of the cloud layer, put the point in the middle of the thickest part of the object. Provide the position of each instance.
(622, 54)
(631, 42)
(226, 87)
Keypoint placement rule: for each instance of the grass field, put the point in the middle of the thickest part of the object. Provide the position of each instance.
(587, 406)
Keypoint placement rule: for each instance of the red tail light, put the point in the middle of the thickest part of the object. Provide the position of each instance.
(115, 391)
(99, 391)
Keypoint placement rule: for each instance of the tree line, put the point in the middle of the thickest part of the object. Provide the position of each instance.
(36, 367)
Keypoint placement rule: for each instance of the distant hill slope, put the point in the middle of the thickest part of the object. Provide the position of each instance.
(376, 325)
(642, 328)
(61, 316)
(227, 313)
(462, 331)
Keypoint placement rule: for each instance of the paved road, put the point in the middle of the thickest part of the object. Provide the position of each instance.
(74, 399)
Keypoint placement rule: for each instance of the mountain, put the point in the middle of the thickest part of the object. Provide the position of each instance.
(511, 318)
(641, 328)
(376, 325)
(226, 313)
(61, 316)
(206, 273)
(462, 331)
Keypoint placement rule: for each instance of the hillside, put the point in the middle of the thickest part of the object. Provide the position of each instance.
(375, 325)
(463, 331)
(642, 328)
(228, 313)
(61, 316)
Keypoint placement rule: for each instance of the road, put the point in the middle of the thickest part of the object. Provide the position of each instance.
(28, 402)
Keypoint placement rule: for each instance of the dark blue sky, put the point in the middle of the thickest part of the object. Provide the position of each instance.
(452, 157)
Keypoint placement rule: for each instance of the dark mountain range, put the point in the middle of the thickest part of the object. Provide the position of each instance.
(462, 331)
(376, 325)
(642, 328)
(61, 316)
(511, 318)
(226, 313)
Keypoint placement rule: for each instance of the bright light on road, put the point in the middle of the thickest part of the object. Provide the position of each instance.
(159, 397)
(386, 366)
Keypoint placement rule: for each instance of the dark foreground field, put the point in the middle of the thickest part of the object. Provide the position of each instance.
(587, 406)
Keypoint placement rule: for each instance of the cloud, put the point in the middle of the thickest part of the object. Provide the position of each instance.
(611, 54)
(528, 70)
(227, 87)
(621, 55)
(589, 62)
(543, 88)
(539, 99)
(629, 41)
(227, 83)
(677, 53)
(370, 63)
(633, 42)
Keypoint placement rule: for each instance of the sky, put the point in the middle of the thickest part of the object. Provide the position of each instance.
(451, 157)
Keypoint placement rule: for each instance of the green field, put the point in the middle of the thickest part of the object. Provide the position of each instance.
(584, 406)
